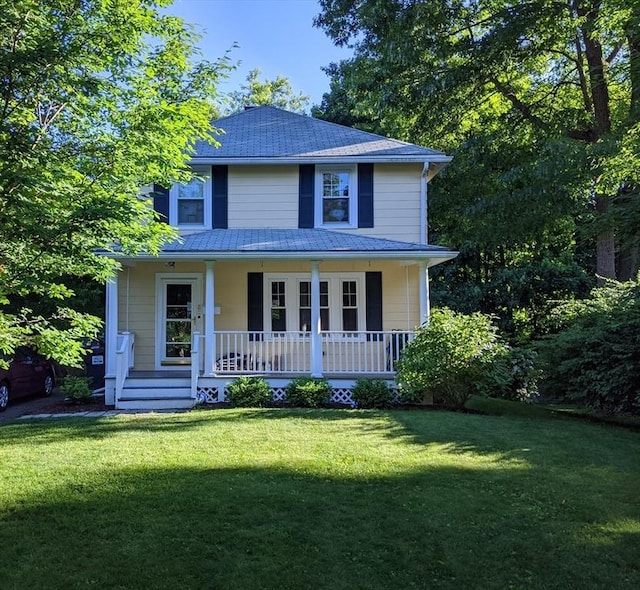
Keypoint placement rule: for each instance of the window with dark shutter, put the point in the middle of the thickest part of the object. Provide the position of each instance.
(220, 176)
(161, 201)
(373, 289)
(365, 195)
(306, 205)
(255, 301)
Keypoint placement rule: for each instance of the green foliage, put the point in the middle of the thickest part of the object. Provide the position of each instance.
(513, 375)
(594, 357)
(540, 103)
(99, 99)
(372, 393)
(76, 388)
(450, 358)
(308, 392)
(276, 93)
(251, 392)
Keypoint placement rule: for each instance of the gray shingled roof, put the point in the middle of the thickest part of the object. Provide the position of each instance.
(283, 241)
(269, 132)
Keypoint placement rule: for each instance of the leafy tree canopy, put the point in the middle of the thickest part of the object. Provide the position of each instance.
(277, 93)
(98, 98)
(561, 80)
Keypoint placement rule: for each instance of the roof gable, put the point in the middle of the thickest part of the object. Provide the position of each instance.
(270, 133)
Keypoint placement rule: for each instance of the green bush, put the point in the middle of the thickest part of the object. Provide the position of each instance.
(450, 358)
(372, 393)
(594, 357)
(309, 392)
(513, 375)
(249, 392)
(76, 388)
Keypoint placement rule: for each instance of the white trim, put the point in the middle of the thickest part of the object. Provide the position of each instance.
(292, 307)
(203, 172)
(321, 160)
(163, 279)
(209, 318)
(352, 170)
(430, 258)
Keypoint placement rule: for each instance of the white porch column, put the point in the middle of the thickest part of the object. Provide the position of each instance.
(111, 339)
(316, 339)
(209, 319)
(425, 304)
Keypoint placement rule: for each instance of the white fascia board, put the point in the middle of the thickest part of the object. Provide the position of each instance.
(364, 159)
(432, 258)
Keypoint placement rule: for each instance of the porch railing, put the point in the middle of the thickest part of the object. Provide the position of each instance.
(290, 352)
(125, 350)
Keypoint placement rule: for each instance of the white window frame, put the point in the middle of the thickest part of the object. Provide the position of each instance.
(292, 301)
(205, 173)
(352, 170)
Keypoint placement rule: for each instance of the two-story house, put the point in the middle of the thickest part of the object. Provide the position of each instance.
(303, 251)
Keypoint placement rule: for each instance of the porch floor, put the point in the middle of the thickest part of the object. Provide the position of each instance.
(185, 374)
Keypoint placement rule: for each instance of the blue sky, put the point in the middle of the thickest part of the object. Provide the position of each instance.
(276, 36)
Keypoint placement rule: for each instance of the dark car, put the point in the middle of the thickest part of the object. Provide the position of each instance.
(28, 373)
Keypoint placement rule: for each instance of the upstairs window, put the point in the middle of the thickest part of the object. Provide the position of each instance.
(337, 189)
(191, 201)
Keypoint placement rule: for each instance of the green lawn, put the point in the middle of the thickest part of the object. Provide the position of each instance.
(300, 499)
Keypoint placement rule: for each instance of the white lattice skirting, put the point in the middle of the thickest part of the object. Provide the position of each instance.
(211, 395)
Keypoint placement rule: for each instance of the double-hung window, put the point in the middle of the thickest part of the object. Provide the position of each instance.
(191, 201)
(342, 303)
(336, 188)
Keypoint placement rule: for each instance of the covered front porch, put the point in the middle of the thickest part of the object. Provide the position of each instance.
(269, 303)
(277, 357)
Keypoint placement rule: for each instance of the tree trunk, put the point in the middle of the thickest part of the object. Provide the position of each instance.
(605, 246)
(628, 263)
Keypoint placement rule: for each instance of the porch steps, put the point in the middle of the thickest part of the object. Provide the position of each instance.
(153, 393)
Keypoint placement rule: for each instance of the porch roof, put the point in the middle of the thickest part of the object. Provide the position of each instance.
(297, 244)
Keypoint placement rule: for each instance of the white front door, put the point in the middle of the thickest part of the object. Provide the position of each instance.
(179, 313)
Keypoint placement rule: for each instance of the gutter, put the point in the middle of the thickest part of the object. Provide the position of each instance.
(432, 258)
(439, 159)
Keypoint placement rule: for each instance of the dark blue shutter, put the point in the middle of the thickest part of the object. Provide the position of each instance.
(365, 195)
(306, 196)
(161, 201)
(373, 294)
(220, 182)
(255, 303)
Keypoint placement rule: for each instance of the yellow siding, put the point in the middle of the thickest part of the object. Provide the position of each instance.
(263, 196)
(137, 295)
(267, 196)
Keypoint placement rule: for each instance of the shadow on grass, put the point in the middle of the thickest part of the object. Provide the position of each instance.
(277, 528)
(535, 506)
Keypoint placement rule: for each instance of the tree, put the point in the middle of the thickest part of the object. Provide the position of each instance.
(277, 93)
(566, 73)
(98, 98)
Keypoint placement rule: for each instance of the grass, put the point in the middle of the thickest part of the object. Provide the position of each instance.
(245, 499)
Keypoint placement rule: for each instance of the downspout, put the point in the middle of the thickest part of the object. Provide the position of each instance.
(423, 272)
(424, 226)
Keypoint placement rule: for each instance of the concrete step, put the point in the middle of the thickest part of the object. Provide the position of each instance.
(155, 392)
(164, 403)
(156, 382)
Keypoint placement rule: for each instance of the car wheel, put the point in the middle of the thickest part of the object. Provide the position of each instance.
(48, 385)
(4, 396)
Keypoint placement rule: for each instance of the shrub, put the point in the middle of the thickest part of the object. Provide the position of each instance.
(450, 358)
(249, 392)
(513, 375)
(309, 392)
(76, 388)
(594, 357)
(372, 393)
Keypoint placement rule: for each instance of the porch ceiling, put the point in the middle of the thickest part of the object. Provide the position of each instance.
(297, 244)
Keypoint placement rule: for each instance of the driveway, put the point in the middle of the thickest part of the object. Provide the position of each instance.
(33, 405)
